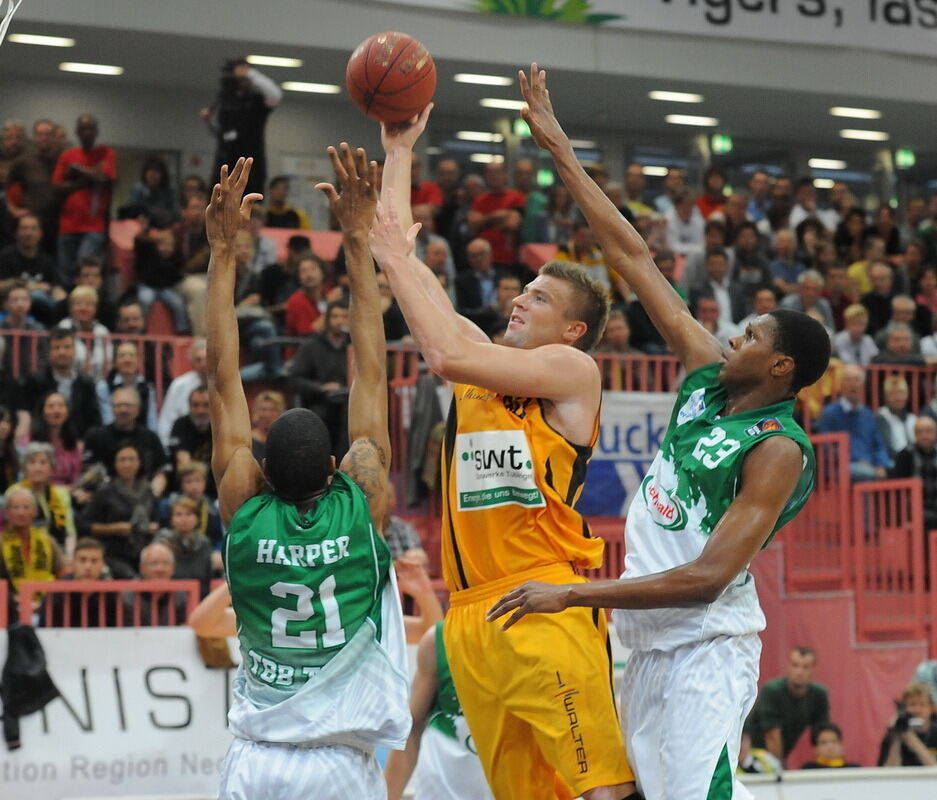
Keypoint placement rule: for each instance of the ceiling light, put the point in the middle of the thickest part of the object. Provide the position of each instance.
(865, 136)
(689, 119)
(91, 69)
(433, 151)
(486, 158)
(314, 88)
(583, 144)
(655, 172)
(479, 136)
(824, 183)
(855, 113)
(484, 80)
(497, 102)
(274, 61)
(826, 163)
(45, 41)
(676, 97)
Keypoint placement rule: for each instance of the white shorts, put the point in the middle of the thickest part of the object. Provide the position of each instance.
(682, 715)
(447, 769)
(265, 771)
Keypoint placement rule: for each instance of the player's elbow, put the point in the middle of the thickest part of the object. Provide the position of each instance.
(705, 585)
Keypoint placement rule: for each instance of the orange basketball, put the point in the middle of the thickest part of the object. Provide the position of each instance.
(391, 77)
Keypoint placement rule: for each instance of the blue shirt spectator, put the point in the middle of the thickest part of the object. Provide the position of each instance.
(868, 453)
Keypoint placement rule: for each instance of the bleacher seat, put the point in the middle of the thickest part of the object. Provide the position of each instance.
(325, 244)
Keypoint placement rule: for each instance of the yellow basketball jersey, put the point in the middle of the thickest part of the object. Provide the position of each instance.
(509, 486)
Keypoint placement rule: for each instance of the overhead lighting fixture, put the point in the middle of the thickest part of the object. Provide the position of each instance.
(865, 136)
(486, 158)
(482, 80)
(91, 69)
(44, 41)
(689, 119)
(274, 61)
(497, 102)
(824, 183)
(479, 136)
(826, 163)
(655, 172)
(583, 144)
(855, 113)
(313, 88)
(676, 97)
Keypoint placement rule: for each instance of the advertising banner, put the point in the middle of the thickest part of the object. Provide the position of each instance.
(630, 432)
(139, 715)
(898, 26)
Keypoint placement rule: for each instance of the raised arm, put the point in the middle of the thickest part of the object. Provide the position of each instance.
(398, 142)
(368, 459)
(555, 372)
(769, 477)
(624, 249)
(236, 471)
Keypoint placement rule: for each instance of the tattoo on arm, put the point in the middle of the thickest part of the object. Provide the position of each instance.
(365, 465)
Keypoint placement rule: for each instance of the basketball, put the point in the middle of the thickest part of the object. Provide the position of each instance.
(391, 77)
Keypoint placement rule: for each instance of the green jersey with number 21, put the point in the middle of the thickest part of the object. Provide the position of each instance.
(302, 584)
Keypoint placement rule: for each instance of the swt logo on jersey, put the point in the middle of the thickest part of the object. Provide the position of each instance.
(665, 510)
(494, 468)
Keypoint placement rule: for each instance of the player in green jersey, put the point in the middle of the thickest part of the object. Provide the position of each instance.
(733, 467)
(323, 678)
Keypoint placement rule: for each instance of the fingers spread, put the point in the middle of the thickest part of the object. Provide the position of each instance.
(515, 617)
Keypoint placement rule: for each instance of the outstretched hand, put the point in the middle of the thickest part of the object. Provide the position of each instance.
(354, 207)
(387, 239)
(229, 210)
(532, 597)
(404, 134)
(538, 114)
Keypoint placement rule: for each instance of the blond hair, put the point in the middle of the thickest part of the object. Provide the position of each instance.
(591, 298)
(855, 311)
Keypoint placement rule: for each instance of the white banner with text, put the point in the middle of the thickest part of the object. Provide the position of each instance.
(139, 714)
(902, 26)
(631, 429)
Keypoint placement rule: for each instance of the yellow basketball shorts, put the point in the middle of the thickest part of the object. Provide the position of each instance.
(538, 697)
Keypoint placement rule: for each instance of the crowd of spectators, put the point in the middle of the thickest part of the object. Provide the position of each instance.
(81, 423)
(103, 478)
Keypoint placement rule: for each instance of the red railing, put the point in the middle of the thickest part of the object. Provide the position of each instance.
(639, 373)
(888, 525)
(4, 604)
(816, 542)
(26, 349)
(102, 603)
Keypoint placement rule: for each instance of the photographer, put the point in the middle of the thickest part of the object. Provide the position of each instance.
(911, 741)
(238, 118)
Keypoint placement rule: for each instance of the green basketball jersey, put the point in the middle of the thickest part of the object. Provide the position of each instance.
(694, 479)
(302, 584)
(707, 451)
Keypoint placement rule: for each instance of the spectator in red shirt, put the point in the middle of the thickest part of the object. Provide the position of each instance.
(423, 192)
(496, 216)
(304, 308)
(84, 176)
(713, 196)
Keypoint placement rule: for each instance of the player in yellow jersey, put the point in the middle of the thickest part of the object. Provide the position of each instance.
(524, 419)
